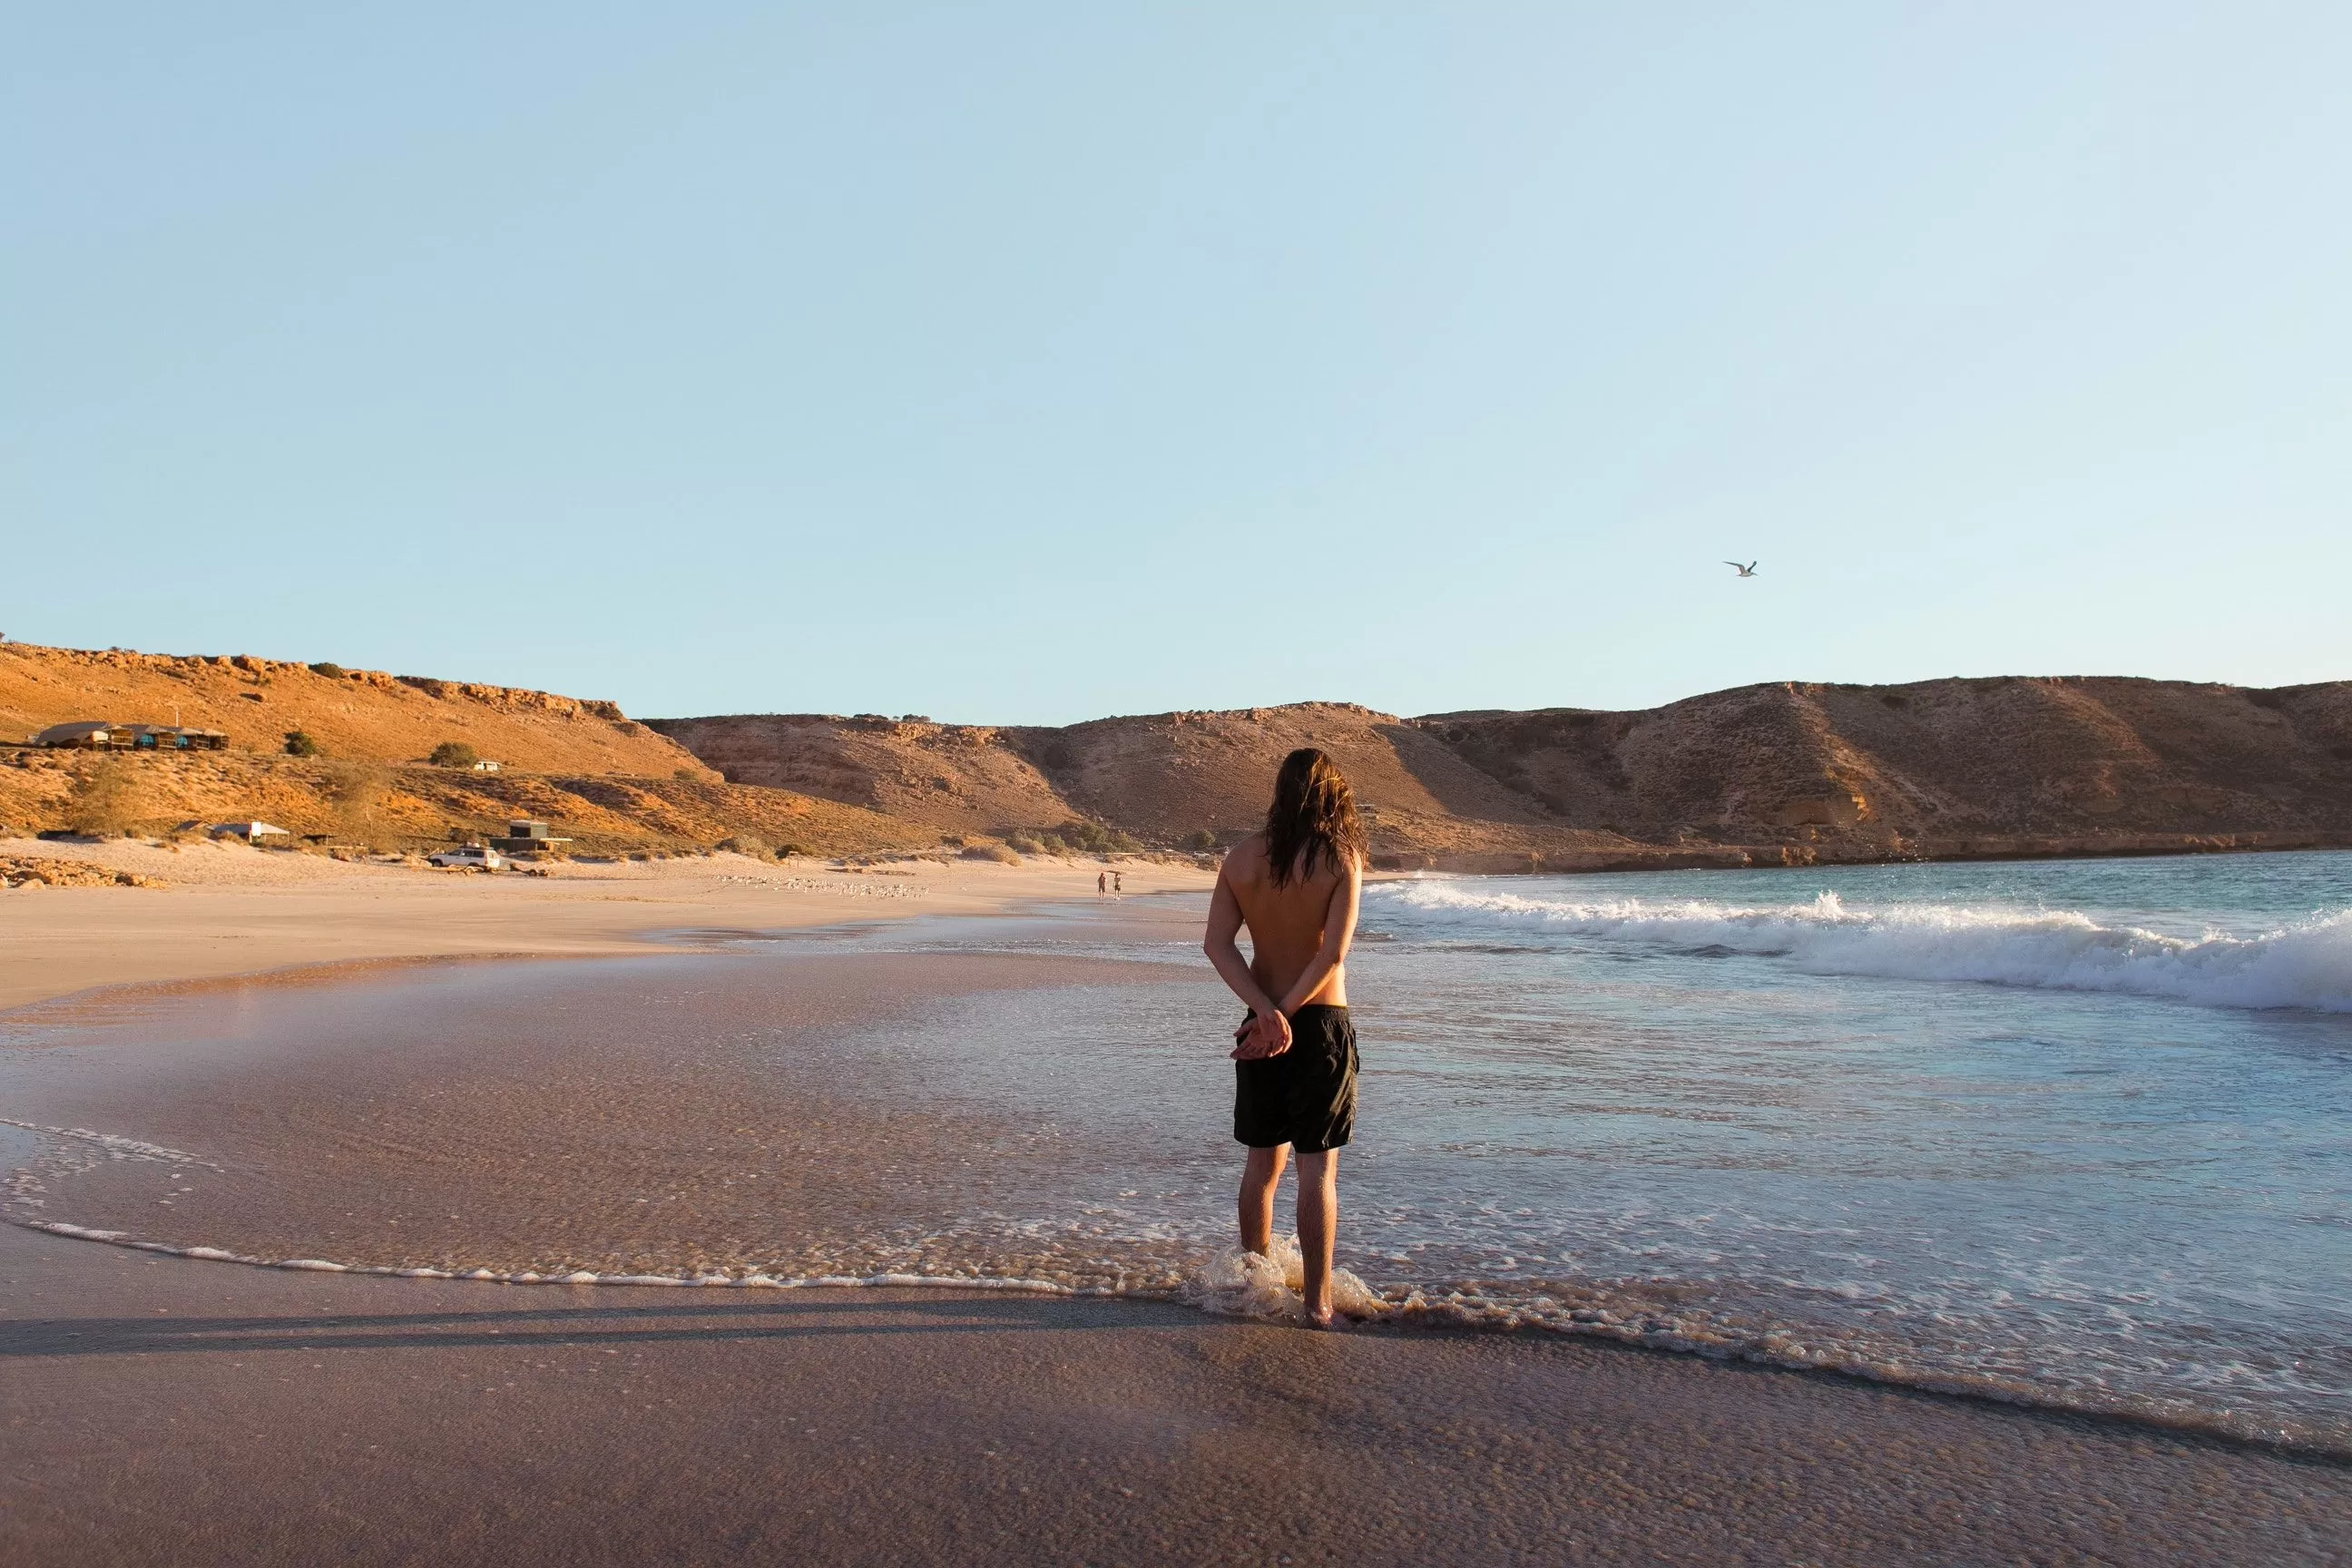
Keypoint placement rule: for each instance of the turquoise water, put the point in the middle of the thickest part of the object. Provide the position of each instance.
(2073, 1133)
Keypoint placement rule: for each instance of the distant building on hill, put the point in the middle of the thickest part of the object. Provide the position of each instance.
(172, 738)
(104, 736)
(526, 838)
(251, 832)
(92, 734)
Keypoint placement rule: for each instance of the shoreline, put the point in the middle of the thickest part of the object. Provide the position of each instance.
(1747, 1454)
(1477, 1311)
(304, 912)
(578, 1426)
(2029, 1402)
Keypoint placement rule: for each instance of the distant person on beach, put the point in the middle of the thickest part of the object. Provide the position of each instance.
(1102, 883)
(1119, 883)
(1295, 885)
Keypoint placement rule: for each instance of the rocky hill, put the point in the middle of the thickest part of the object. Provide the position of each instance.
(606, 781)
(1781, 773)
(347, 713)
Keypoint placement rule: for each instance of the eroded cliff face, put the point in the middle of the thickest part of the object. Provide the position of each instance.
(1786, 774)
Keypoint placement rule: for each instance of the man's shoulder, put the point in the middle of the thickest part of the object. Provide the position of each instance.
(1247, 859)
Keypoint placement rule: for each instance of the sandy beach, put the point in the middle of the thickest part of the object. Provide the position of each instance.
(226, 908)
(161, 1408)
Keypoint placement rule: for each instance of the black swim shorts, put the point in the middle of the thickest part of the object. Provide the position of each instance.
(1307, 1096)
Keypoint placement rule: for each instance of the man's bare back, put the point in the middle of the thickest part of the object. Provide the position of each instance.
(1299, 935)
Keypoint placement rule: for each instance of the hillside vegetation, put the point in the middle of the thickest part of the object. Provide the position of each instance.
(350, 713)
(603, 780)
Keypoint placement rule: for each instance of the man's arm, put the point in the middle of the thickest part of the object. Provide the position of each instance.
(1269, 1032)
(1338, 931)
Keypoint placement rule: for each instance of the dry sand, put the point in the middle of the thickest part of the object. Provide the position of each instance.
(166, 1410)
(233, 909)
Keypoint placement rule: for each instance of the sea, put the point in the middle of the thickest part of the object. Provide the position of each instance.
(2075, 1134)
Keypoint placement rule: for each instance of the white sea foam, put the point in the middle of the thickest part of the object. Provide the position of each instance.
(118, 1147)
(2307, 964)
(1252, 1285)
(749, 1281)
(1239, 1284)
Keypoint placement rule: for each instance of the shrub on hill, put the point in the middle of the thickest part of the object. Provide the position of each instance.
(1073, 837)
(1095, 839)
(355, 792)
(105, 798)
(454, 754)
(332, 671)
(299, 745)
(1201, 838)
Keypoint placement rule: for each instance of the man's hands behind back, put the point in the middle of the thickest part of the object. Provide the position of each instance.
(1266, 1035)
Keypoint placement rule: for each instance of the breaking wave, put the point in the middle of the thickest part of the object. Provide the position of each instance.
(2307, 964)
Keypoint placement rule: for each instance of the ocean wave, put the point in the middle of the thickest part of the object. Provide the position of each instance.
(2307, 964)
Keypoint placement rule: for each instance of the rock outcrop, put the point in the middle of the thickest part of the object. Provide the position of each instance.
(27, 871)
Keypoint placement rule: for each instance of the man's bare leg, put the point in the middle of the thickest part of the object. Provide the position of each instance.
(1319, 1223)
(1258, 1179)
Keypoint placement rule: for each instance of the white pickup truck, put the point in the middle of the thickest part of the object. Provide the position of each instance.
(470, 858)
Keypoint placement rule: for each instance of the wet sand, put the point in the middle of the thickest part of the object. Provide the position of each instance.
(161, 1409)
(791, 1114)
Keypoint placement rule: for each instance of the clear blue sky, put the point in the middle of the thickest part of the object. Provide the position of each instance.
(1031, 363)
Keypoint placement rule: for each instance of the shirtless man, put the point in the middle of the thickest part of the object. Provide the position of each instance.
(1295, 885)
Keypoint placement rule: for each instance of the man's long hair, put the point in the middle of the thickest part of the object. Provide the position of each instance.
(1313, 819)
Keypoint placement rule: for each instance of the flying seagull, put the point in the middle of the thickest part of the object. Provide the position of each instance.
(1747, 571)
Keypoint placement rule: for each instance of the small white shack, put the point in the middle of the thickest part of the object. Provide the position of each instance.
(250, 832)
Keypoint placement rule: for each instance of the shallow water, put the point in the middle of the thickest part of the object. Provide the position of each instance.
(2072, 1132)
